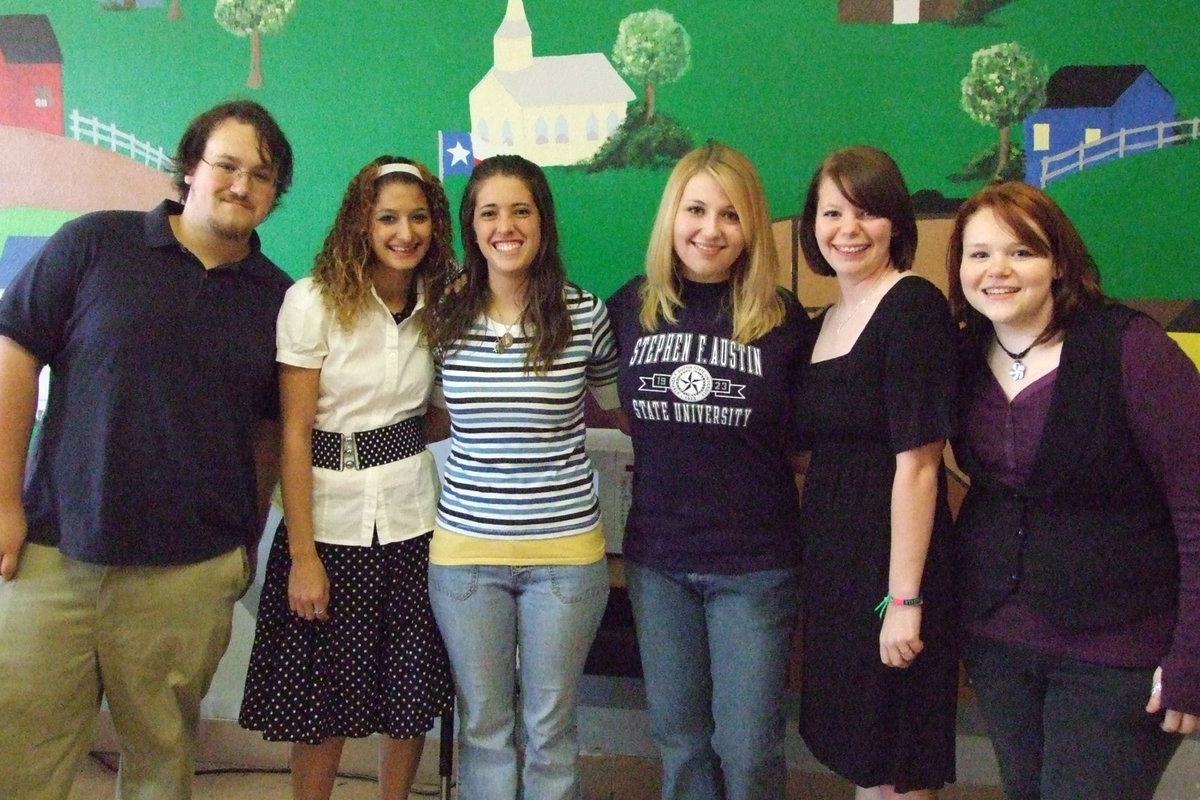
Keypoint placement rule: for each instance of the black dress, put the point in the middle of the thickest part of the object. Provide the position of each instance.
(893, 391)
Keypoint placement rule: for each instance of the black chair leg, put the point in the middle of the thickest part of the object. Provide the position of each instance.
(446, 753)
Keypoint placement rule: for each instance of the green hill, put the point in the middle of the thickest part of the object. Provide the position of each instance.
(1139, 219)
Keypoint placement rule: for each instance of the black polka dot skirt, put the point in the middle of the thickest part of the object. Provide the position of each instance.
(377, 665)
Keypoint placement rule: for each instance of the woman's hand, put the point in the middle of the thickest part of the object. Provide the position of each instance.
(1173, 721)
(435, 424)
(12, 538)
(900, 637)
(308, 588)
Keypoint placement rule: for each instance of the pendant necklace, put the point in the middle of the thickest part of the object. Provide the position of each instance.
(1017, 370)
(504, 339)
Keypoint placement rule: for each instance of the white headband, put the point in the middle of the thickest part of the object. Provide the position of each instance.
(408, 169)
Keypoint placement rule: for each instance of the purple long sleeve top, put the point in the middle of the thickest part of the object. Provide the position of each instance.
(1161, 388)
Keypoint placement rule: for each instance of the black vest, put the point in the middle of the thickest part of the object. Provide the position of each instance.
(1087, 540)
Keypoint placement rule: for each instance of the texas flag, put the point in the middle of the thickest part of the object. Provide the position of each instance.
(455, 156)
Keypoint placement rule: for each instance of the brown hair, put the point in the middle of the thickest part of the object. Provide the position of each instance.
(341, 268)
(1038, 222)
(870, 179)
(546, 314)
(273, 147)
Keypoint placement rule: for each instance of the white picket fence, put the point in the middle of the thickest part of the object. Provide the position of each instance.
(1124, 142)
(90, 129)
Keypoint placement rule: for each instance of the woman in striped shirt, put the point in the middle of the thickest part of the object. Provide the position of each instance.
(517, 572)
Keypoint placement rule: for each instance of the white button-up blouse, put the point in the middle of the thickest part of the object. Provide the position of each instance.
(374, 375)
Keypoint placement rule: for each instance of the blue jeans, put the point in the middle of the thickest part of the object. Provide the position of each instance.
(1066, 729)
(497, 622)
(715, 652)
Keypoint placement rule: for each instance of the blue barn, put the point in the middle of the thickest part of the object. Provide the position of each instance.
(1087, 103)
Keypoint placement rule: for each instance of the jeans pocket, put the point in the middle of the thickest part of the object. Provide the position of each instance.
(456, 583)
(575, 584)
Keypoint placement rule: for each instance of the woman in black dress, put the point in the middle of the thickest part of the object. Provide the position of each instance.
(876, 407)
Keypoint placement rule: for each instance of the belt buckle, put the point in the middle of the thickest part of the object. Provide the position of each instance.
(348, 456)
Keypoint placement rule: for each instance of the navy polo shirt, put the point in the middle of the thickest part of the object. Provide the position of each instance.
(160, 371)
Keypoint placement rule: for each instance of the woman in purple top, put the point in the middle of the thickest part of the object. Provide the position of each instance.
(1079, 540)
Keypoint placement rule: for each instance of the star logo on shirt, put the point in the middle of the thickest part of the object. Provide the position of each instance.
(691, 383)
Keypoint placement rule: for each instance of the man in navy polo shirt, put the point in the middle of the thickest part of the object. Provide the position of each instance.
(123, 554)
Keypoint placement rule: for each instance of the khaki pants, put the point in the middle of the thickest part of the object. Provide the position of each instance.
(146, 638)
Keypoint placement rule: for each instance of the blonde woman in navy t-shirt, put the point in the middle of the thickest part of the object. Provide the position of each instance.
(709, 353)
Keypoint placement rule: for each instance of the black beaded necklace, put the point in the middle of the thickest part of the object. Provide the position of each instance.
(1017, 370)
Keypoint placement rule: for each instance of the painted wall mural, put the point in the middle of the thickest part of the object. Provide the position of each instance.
(31, 72)
(253, 18)
(1094, 113)
(1099, 104)
(553, 110)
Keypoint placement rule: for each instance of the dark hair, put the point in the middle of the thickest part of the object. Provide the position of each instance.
(273, 146)
(1043, 227)
(341, 268)
(870, 179)
(545, 313)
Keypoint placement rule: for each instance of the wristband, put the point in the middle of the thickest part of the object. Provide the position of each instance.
(888, 600)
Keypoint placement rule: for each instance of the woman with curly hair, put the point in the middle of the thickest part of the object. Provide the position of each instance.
(346, 644)
(517, 558)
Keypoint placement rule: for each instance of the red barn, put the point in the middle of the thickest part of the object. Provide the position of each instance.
(30, 74)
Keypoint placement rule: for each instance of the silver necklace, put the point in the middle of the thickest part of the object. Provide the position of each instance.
(846, 319)
(504, 339)
(1017, 370)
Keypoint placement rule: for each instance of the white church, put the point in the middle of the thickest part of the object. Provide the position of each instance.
(553, 110)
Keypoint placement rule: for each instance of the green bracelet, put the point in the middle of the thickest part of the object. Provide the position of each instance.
(888, 600)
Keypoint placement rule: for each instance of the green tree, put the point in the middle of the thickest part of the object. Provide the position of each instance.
(652, 49)
(1005, 85)
(253, 18)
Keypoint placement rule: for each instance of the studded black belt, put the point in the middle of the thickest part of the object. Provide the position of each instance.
(367, 449)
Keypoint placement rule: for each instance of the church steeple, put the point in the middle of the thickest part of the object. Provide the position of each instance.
(513, 43)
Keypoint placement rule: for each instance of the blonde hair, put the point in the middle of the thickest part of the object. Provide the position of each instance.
(757, 306)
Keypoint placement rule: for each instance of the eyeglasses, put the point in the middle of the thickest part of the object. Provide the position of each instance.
(259, 178)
